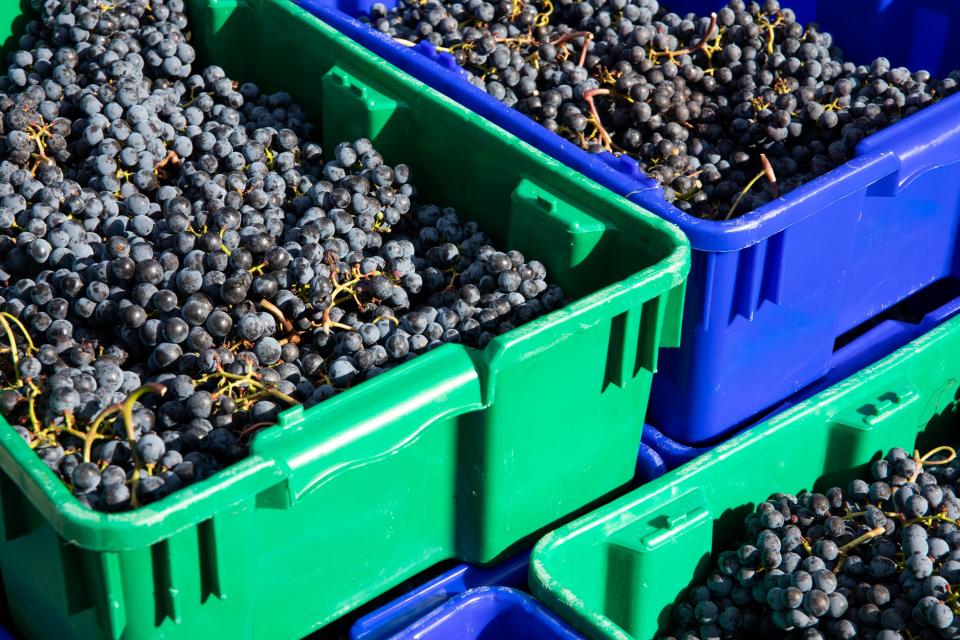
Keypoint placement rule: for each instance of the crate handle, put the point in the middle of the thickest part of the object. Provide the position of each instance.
(888, 405)
(925, 141)
(368, 423)
(647, 544)
(663, 523)
(630, 167)
(446, 60)
(877, 409)
(868, 425)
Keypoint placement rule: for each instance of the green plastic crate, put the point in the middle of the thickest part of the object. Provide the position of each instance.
(615, 572)
(457, 454)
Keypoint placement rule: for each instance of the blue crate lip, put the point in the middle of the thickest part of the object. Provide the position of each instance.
(481, 612)
(651, 461)
(397, 614)
(892, 150)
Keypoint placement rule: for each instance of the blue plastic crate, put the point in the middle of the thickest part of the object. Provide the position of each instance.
(771, 291)
(398, 614)
(489, 613)
(660, 453)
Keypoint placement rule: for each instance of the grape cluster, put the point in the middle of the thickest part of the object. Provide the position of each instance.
(180, 262)
(726, 112)
(879, 561)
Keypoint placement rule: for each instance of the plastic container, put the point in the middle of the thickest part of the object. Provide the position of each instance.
(456, 454)
(770, 292)
(489, 613)
(394, 616)
(889, 331)
(615, 572)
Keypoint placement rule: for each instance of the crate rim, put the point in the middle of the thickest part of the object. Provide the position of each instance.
(186, 507)
(511, 596)
(95, 529)
(870, 163)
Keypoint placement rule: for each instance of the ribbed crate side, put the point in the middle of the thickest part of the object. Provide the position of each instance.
(767, 313)
(541, 433)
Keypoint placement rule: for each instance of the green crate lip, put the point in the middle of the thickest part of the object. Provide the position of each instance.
(553, 591)
(186, 507)
(178, 511)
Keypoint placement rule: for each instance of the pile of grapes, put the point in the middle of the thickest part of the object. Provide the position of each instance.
(180, 262)
(879, 561)
(725, 111)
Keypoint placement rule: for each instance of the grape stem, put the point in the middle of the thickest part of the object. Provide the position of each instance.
(14, 356)
(588, 98)
(742, 193)
(36, 133)
(125, 409)
(253, 429)
(587, 39)
(32, 406)
(342, 288)
(543, 18)
(700, 46)
(920, 461)
(869, 535)
(170, 158)
(249, 379)
(126, 412)
(770, 28)
(409, 43)
(771, 176)
(275, 311)
(5, 320)
(93, 432)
